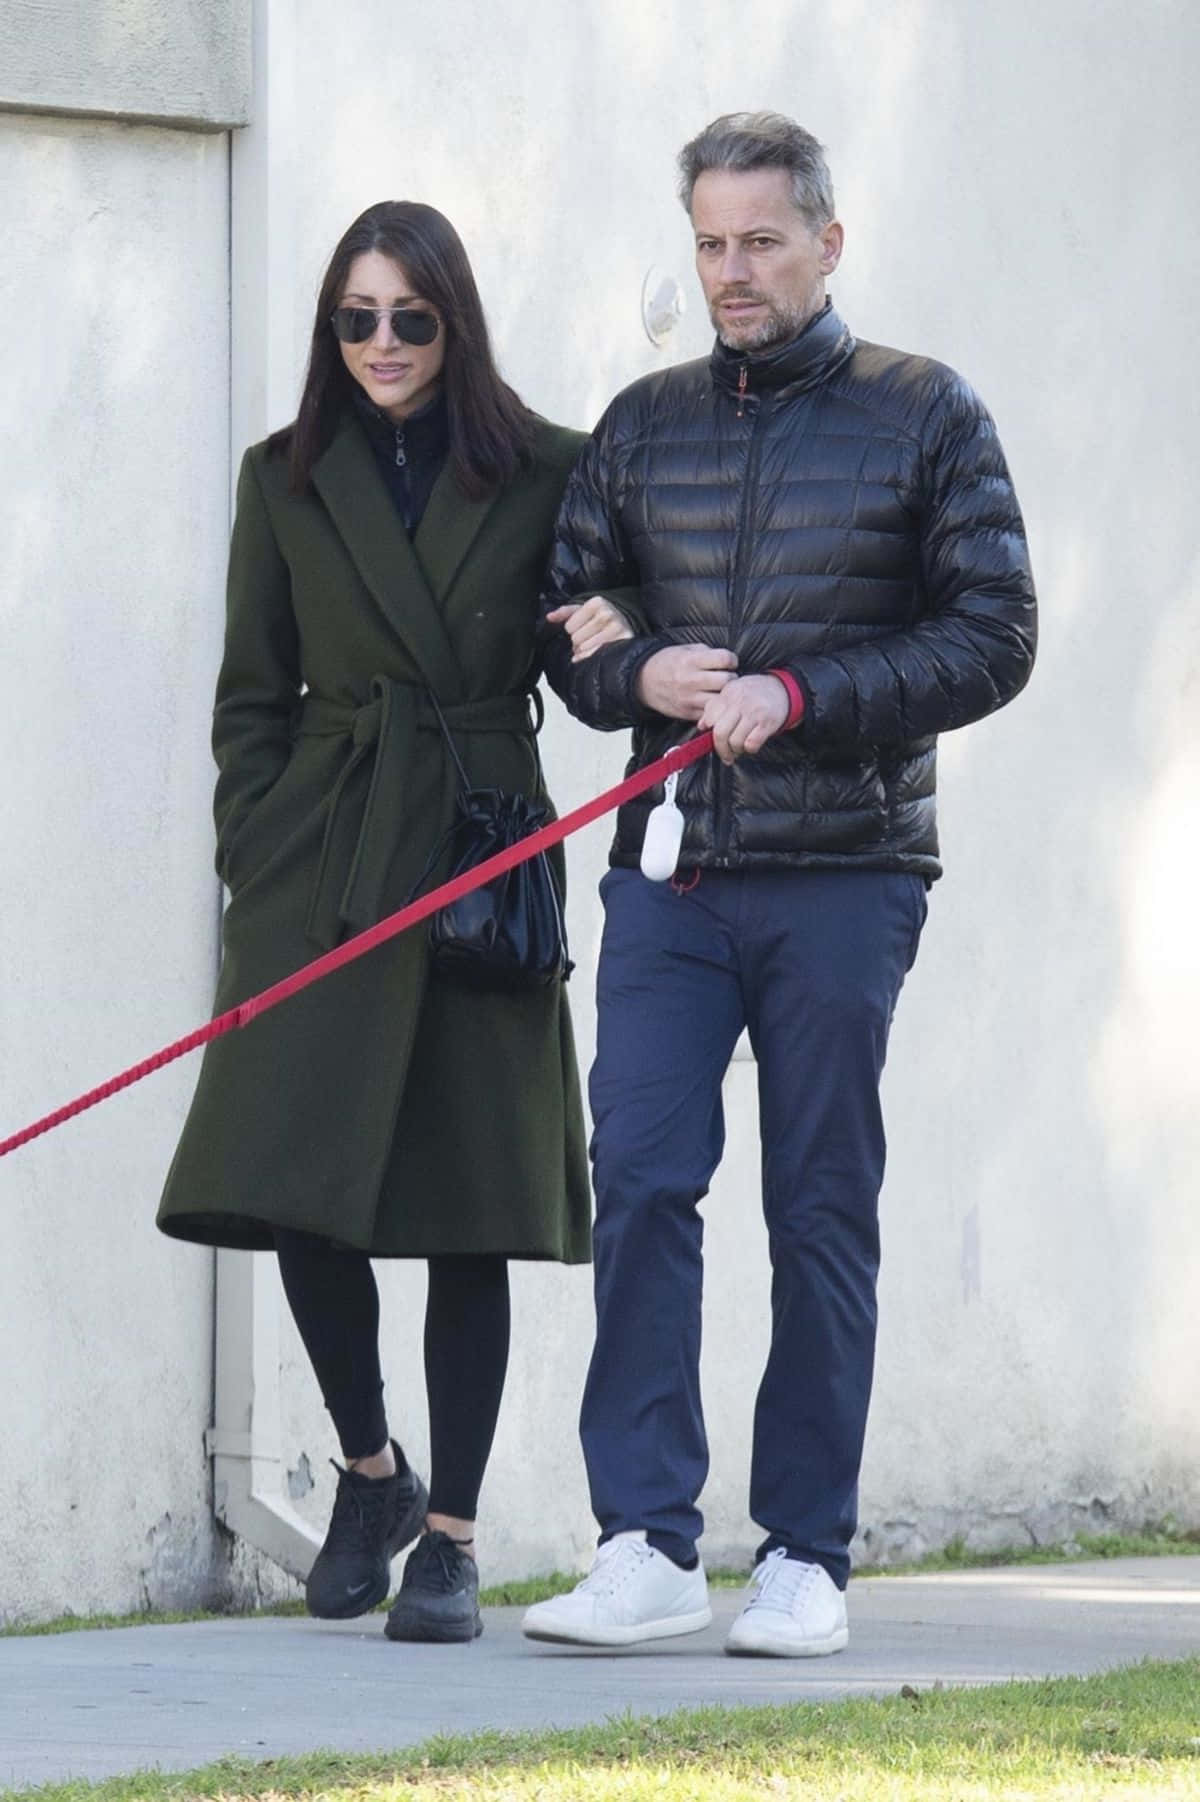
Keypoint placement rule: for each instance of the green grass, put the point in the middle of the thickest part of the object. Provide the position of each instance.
(1154, 1542)
(1119, 1737)
(1162, 1541)
(526, 1590)
(1166, 1540)
(147, 1617)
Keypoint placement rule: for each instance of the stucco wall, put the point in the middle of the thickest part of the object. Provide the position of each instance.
(187, 61)
(113, 519)
(1040, 1333)
(1014, 191)
(1010, 185)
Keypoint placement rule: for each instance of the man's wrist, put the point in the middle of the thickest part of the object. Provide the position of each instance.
(795, 695)
(638, 652)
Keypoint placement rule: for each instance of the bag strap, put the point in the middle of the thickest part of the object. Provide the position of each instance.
(539, 719)
(452, 831)
(447, 838)
(446, 734)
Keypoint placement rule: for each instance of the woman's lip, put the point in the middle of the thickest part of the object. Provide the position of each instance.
(387, 372)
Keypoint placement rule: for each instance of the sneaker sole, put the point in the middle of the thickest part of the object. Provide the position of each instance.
(407, 1528)
(768, 1645)
(671, 1628)
(414, 1630)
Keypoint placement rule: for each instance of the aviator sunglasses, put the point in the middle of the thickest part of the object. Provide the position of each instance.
(354, 325)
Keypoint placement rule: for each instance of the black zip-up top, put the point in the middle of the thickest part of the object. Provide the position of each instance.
(410, 454)
(836, 509)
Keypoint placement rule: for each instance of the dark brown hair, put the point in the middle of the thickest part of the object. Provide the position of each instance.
(491, 429)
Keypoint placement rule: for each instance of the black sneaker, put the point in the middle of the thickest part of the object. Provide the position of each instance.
(373, 1519)
(439, 1594)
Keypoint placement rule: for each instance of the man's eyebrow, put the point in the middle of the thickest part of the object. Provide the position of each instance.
(751, 231)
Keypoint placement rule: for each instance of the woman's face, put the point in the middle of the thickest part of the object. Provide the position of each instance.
(400, 378)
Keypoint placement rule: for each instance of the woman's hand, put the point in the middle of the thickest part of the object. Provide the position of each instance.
(590, 624)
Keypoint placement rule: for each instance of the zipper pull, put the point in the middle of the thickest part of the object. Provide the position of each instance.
(743, 378)
(401, 459)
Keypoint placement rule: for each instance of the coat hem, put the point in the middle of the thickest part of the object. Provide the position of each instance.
(232, 1232)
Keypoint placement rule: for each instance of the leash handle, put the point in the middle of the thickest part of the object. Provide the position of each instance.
(662, 769)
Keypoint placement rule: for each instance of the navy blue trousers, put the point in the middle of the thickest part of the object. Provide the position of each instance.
(812, 963)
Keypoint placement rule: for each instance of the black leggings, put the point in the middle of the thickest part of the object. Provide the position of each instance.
(333, 1296)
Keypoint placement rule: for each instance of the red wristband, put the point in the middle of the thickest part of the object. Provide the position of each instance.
(795, 696)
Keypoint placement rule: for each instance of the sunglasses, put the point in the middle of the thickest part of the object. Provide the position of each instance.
(354, 325)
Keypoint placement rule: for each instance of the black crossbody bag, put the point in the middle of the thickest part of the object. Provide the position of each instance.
(510, 933)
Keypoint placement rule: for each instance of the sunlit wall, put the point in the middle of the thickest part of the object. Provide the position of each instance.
(1015, 184)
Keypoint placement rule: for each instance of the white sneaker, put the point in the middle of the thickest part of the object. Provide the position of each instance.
(792, 1610)
(632, 1592)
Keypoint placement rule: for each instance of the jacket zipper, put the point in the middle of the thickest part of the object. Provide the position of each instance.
(401, 458)
(724, 809)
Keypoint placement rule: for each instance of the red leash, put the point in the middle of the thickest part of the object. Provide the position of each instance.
(678, 758)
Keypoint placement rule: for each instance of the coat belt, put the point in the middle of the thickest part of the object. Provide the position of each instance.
(368, 823)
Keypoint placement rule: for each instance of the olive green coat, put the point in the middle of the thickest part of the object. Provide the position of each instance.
(382, 1106)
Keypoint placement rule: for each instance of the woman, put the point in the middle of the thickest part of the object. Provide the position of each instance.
(385, 557)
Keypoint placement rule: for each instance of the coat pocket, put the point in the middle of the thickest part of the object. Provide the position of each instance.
(274, 818)
(851, 797)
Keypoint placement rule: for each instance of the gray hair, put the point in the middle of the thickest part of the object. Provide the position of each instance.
(762, 141)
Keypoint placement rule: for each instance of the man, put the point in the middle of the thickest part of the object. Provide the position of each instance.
(829, 560)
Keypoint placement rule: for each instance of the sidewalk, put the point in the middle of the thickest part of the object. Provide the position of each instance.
(96, 1704)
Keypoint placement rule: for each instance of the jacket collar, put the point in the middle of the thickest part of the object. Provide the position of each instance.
(348, 481)
(809, 358)
(447, 531)
(447, 527)
(426, 434)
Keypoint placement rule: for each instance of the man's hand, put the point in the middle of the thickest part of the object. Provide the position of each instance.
(590, 624)
(747, 712)
(685, 679)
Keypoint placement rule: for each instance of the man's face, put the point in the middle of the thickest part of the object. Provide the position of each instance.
(762, 267)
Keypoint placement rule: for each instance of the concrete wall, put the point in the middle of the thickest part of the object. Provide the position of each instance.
(1040, 1332)
(113, 517)
(186, 61)
(1013, 188)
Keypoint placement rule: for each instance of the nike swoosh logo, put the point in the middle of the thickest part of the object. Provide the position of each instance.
(358, 1590)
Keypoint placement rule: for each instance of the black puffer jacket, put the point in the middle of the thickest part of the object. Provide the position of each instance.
(839, 510)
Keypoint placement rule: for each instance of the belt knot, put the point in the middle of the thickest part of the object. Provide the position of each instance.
(368, 823)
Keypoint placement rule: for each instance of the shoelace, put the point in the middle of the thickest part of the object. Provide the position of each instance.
(357, 1509)
(616, 1562)
(781, 1582)
(437, 1563)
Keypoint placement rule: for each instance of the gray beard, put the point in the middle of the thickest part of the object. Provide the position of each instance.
(780, 324)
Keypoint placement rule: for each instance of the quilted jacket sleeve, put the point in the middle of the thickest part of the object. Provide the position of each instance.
(590, 556)
(972, 647)
(258, 687)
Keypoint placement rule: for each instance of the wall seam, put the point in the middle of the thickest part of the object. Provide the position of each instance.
(226, 476)
(244, 1441)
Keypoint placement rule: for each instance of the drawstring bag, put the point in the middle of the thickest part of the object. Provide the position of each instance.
(509, 934)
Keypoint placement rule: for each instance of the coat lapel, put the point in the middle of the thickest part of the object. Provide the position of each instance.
(447, 531)
(348, 482)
